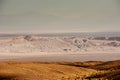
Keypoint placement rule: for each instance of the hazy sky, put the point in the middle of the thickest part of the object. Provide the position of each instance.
(41, 16)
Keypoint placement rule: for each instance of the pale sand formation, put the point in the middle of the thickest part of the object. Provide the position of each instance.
(49, 48)
(33, 44)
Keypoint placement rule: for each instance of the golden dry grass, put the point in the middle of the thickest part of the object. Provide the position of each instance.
(39, 71)
(57, 71)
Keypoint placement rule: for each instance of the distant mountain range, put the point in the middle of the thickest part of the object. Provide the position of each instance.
(83, 34)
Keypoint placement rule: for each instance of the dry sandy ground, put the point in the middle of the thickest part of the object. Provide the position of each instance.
(58, 57)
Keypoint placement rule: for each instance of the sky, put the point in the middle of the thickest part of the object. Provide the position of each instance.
(56, 16)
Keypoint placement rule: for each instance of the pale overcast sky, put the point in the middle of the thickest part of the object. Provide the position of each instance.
(42, 16)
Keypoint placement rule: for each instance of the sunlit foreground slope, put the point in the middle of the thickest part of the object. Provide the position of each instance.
(60, 70)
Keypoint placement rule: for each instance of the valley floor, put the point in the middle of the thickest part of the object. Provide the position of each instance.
(59, 57)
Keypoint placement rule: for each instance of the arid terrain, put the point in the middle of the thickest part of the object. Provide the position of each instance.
(91, 70)
(35, 44)
(59, 39)
(50, 49)
(59, 58)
